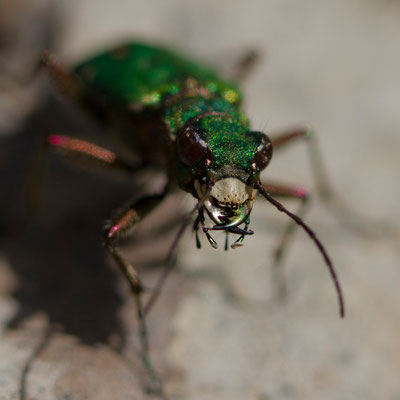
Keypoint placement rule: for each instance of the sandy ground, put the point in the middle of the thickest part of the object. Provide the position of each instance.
(219, 331)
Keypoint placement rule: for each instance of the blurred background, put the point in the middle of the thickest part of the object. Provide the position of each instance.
(219, 331)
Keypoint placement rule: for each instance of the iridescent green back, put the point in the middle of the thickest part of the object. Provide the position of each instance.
(139, 74)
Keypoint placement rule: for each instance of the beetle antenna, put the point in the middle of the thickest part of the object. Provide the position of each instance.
(170, 259)
(313, 236)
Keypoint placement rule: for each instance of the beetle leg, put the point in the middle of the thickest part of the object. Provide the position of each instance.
(348, 216)
(67, 81)
(71, 85)
(244, 66)
(293, 192)
(321, 176)
(89, 153)
(123, 223)
(169, 262)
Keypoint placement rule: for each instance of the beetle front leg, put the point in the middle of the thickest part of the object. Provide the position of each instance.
(349, 217)
(288, 192)
(324, 188)
(124, 223)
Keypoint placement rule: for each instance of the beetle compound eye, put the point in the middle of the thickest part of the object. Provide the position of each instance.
(191, 147)
(264, 152)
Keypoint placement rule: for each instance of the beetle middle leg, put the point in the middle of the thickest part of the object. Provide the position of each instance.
(78, 151)
(90, 153)
(123, 223)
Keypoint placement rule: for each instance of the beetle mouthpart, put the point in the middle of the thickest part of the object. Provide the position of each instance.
(229, 202)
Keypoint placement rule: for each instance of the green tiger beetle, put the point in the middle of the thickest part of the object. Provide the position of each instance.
(185, 120)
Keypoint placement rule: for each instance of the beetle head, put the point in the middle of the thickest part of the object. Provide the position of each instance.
(221, 168)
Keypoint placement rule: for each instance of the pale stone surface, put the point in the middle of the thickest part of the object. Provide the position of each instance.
(219, 331)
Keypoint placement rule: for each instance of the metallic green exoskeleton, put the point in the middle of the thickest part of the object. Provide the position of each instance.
(197, 112)
(182, 118)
